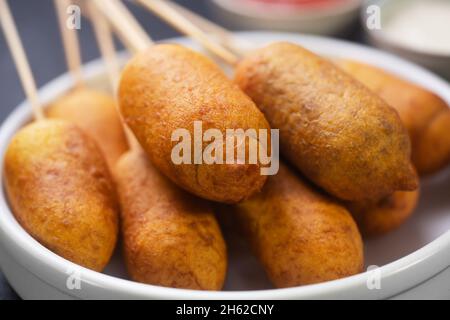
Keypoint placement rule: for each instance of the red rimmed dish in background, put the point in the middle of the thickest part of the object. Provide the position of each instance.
(295, 4)
(325, 17)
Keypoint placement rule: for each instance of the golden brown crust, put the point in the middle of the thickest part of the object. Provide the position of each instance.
(169, 87)
(300, 236)
(425, 115)
(433, 148)
(337, 132)
(386, 215)
(96, 114)
(62, 193)
(170, 237)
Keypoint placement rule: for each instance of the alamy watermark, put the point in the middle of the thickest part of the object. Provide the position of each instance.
(73, 21)
(236, 146)
(73, 281)
(373, 278)
(373, 21)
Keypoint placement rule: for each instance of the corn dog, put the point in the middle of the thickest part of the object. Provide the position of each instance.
(375, 219)
(170, 238)
(60, 190)
(425, 115)
(300, 236)
(334, 130)
(168, 87)
(95, 113)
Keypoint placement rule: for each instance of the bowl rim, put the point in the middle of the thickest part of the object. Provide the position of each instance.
(423, 263)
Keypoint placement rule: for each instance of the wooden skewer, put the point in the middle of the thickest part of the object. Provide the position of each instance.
(20, 59)
(225, 37)
(105, 41)
(70, 42)
(125, 25)
(178, 21)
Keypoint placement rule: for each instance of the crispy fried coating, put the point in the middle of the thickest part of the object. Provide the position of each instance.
(338, 133)
(170, 238)
(61, 192)
(425, 115)
(168, 87)
(300, 236)
(96, 114)
(375, 219)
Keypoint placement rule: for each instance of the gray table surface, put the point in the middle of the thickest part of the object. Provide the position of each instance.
(38, 28)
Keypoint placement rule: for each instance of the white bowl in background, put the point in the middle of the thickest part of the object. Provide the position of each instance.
(437, 62)
(414, 260)
(327, 20)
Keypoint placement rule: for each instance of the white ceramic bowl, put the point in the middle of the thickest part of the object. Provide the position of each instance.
(414, 260)
(329, 20)
(436, 62)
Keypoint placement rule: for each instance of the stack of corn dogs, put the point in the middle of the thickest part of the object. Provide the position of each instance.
(93, 167)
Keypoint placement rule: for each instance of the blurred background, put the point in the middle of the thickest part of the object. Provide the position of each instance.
(38, 27)
(418, 30)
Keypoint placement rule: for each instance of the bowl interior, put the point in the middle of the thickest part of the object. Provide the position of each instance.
(431, 220)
